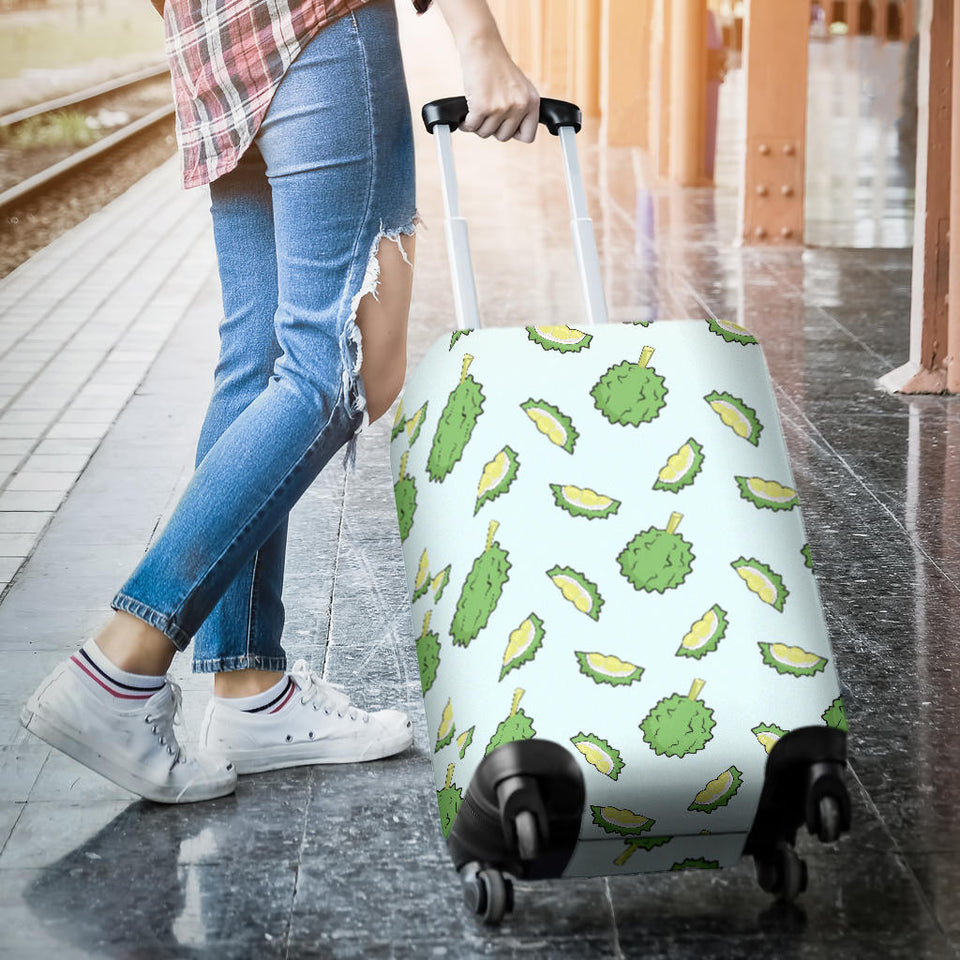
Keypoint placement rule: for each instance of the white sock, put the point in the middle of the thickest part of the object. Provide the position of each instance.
(108, 681)
(270, 701)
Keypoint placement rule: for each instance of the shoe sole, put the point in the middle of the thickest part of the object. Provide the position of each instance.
(57, 737)
(275, 758)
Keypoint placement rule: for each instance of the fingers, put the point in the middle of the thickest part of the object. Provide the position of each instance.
(519, 121)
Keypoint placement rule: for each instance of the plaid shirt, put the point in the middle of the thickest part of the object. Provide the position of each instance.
(227, 58)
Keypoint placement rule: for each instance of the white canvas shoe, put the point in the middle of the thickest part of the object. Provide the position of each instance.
(314, 723)
(133, 745)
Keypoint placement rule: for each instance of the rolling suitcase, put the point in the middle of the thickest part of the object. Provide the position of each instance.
(624, 662)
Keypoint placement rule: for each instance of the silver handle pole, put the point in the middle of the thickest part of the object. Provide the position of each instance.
(581, 228)
(458, 242)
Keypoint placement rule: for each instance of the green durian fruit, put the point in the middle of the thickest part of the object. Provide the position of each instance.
(606, 668)
(681, 468)
(464, 740)
(576, 588)
(413, 424)
(767, 494)
(523, 645)
(679, 725)
(740, 418)
(556, 426)
(456, 335)
(657, 560)
(794, 661)
(517, 726)
(449, 800)
(405, 495)
(718, 792)
(731, 332)
(447, 727)
(457, 421)
(583, 502)
(599, 754)
(704, 634)
(630, 393)
(807, 556)
(624, 822)
(768, 734)
(639, 843)
(497, 476)
(562, 338)
(696, 864)
(763, 581)
(428, 654)
(481, 591)
(836, 715)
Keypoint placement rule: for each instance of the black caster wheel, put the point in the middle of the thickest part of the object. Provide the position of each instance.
(488, 895)
(528, 835)
(828, 819)
(782, 874)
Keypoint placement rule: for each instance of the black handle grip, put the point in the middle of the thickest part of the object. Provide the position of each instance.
(452, 111)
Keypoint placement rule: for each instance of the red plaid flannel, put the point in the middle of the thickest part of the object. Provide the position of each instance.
(227, 58)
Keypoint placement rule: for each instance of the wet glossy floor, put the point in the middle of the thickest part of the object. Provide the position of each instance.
(348, 861)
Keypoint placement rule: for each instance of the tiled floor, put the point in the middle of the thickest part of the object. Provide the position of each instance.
(349, 862)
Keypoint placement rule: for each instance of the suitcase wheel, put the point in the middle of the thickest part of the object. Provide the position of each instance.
(828, 819)
(782, 873)
(488, 894)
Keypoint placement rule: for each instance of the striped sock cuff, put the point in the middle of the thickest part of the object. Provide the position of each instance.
(271, 700)
(97, 669)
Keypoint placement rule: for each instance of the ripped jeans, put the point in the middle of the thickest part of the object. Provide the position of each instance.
(297, 226)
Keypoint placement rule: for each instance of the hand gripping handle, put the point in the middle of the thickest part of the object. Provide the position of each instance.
(561, 119)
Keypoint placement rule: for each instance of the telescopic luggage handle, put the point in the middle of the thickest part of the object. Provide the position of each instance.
(562, 119)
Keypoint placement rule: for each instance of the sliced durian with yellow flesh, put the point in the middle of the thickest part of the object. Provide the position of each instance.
(740, 418)
(413, 424)
(561, 338)
(447, 727)
(681, 468)
(606, 668)
(718, 792)
(768, 734)
(731, 332)
(439, 583)
(625, 822)
(704, 634)
(464, 740)
(584, 502)
(639, 843)
(599, 754)
(523, 644)
(575, 587)
(556, 426)
(794, 661)
(763, 581)
(398, 422)
(767, 494)
(497, 476)
(421, 582)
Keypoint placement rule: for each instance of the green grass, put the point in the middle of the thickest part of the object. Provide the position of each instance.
(61, 38)
(65, 128)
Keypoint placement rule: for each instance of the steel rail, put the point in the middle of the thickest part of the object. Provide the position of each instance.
(95, 92)
(76, 160)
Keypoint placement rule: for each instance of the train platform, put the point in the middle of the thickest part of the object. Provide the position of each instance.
(109, 339)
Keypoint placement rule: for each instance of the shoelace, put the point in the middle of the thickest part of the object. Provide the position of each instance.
(328, 696)
(163, 720)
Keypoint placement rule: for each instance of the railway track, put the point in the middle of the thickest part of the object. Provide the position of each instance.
(82, 100)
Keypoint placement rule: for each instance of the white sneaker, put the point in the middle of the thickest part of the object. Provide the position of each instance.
(133, 746)
(316, 723)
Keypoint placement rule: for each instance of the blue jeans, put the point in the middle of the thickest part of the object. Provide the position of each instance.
(297, 226)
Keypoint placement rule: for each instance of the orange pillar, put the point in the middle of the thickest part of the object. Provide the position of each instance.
(880, 19)
(586, 78)
(688, 92)
(775, 61)
(555, 51)
(953, 316)
(908, 17)
(933, 325)
(659, 115)
(624, 93)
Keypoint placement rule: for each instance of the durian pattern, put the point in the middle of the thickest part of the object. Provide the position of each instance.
(457, 422)
(497, 476)
(603, 757)
(457, 334)
(481, 590)
(536, 479)
(405, 495)
(575, 587)
(555, 425)
(516, 726)
(681, 469)
(561, 338)
(584, 502)
(657, 560)
(631, 393)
